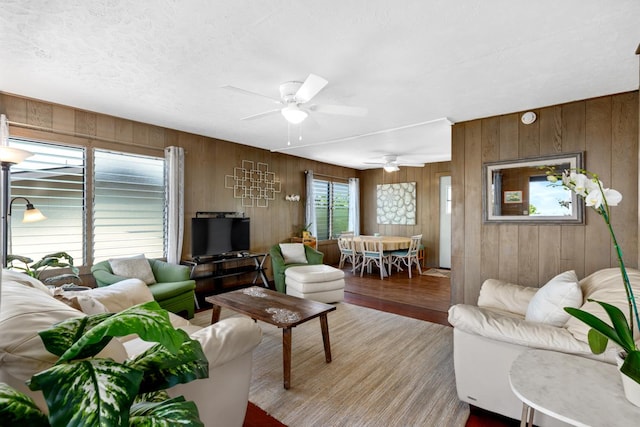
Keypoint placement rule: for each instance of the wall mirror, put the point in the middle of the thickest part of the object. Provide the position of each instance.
(518, 191)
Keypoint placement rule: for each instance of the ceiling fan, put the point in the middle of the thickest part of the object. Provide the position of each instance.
(391, 163)
(294, 96)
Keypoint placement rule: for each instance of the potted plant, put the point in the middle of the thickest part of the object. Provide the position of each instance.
(620, 330)
(82, 390)
(54, 260)
(305, 231)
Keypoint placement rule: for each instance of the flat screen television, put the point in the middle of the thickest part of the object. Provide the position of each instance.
(219, 237)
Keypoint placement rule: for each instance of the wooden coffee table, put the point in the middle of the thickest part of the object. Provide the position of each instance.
(281, 310)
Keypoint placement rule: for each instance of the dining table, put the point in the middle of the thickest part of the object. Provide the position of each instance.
(389, 243)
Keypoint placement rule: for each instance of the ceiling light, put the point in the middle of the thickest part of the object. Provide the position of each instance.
(294, 114)
(391, 168)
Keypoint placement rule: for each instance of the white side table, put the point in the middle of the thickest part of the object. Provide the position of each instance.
(572, 389)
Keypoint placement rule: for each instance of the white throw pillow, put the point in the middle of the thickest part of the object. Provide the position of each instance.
(293, 253)
(547, 305)
(133, 267)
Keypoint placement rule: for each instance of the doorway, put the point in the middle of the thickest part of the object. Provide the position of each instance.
(445, 222)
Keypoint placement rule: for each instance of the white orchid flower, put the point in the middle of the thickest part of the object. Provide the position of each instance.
(613, 196)
(579, 183)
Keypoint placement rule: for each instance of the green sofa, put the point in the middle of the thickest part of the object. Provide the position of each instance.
(279, 266)
(173, 290)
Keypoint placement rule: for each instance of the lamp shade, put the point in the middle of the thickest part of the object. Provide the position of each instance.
(391, 168)
(31, 214)
(294, 114)
(13, 155)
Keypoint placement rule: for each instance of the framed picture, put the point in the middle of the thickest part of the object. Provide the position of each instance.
(513, 196)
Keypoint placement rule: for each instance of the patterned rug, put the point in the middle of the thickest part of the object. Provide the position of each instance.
(387, 370)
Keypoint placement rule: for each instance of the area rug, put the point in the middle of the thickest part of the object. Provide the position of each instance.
(437, 272)
(387, 370)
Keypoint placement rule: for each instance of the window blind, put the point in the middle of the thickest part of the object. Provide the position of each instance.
(128, 205)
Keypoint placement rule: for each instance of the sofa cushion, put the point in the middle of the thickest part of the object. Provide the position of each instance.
(486, 323)
(116, 297)
(135, 267)
(505, 297)
(26, 310)
(604, 285)
(293, 253)
(547, 305)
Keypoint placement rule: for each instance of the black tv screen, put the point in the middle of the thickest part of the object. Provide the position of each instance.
(216, 237)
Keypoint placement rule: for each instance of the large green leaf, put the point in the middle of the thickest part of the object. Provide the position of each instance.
(95, 392)
(171, 412)
(148, 320)
(631, 365)
(620, 324)
(19, 409)
(163, 369)
(595, 323)
(597, 341)
(63, 335)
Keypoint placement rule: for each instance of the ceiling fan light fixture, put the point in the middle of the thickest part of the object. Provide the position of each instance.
(391, 168)
(294, 114)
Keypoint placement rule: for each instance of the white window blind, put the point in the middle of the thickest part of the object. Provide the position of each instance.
(53, 180)
(332, 208)
(128, 206)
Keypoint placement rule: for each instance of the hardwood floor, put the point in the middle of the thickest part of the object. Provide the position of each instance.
(421, 297)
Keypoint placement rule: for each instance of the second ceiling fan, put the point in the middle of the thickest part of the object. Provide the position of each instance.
(294, 96)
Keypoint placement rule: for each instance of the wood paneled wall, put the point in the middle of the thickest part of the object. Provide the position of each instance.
(207, 161)
(606, 129)
(427, 181)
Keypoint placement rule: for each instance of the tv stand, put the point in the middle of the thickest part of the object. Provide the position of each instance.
(229, 266)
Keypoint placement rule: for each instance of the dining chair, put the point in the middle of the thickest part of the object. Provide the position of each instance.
(408, 256)
(348, 251)
(372, 250)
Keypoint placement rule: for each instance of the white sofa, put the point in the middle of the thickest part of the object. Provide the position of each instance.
(27, 306)
(488, 337)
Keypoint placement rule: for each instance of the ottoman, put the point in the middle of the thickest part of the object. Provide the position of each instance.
(319, 282)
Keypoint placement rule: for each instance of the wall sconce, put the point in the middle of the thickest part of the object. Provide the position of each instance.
(292, 197)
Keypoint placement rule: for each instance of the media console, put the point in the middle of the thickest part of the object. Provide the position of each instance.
(229, 266)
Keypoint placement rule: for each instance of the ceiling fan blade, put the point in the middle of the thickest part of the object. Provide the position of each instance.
(374, 163)
(261, 115)
(310, 88)
(248, 92)
(343, 110)
(412, 165)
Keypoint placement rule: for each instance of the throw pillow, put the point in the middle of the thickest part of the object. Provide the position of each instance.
(136, 267)
(604, 285)
(547, 305)
(293, 253)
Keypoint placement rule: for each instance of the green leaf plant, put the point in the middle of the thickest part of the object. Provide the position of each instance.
(621, 329)
(34, 269)
(82, 390)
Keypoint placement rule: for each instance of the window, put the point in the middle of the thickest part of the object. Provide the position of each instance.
(128, 209)
(53, 180)
(128, 205)
(332, 208)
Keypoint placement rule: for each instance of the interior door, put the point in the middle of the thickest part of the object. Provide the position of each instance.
(445, 222)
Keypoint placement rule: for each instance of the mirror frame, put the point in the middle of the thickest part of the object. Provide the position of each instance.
(574, 159)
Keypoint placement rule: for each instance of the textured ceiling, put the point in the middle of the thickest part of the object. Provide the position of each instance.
(410, 63)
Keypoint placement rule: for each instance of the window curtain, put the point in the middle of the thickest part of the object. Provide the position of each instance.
(310, 211)
(174, 205)
(354, 205)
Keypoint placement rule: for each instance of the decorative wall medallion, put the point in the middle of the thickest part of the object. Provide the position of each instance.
(253, 183)
(396, 203)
